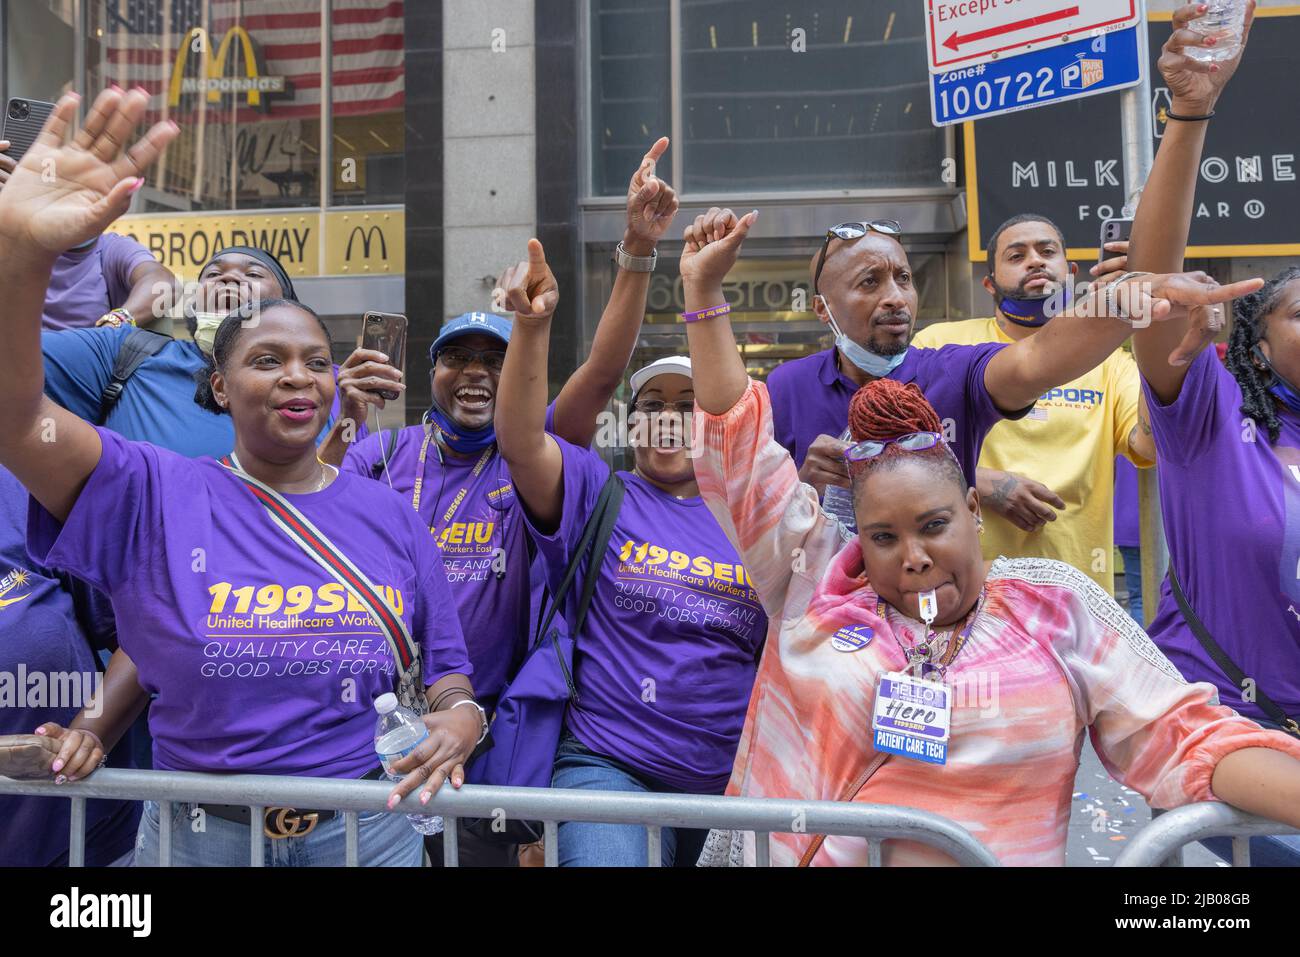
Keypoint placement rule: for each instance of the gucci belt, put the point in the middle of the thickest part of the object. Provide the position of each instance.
(277, 822)
(281, 822)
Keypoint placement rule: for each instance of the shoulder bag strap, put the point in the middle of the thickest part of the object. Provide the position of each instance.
(849, 794)
(595, 539)
(325, 553)
(138, 346)
(1226, 664)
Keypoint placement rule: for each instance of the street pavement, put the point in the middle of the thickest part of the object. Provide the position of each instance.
(1104, 816)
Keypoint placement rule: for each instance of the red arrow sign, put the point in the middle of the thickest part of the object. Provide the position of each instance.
(955, 41)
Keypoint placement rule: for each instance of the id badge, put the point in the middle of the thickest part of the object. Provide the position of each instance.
(912, 718)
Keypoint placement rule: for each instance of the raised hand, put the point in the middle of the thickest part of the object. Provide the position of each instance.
(712, 245)
(651, 204)
(1194, 87)
(64, 194)
(529, 290)
(362, 377)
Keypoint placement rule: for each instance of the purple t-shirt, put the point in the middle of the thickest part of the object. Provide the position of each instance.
(810, 397)
(1128, 531)
(45, 648)
(1231, 507)
(261, 662)
(666, 659)
(88, 283)
(469, 507)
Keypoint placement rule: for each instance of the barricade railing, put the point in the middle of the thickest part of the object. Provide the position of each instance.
(1161, 842)
(551, 806)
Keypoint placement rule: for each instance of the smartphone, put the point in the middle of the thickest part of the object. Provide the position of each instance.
(1115, 230)
(22, 124)
(385, 332)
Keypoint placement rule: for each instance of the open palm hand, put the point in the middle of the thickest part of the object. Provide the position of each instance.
(64, 194)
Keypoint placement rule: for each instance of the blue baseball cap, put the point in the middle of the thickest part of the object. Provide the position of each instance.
(469, 324)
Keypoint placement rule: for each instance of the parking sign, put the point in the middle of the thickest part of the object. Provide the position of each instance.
(1082, 68)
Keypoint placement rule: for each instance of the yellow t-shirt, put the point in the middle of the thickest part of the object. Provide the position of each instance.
(1068, 441)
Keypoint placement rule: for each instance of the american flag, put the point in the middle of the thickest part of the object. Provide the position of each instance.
(141, 40)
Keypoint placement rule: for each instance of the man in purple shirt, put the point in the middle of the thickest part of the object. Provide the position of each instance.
(863, 289)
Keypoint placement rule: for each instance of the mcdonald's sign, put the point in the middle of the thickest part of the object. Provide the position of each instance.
(212, 69)
(367, 236)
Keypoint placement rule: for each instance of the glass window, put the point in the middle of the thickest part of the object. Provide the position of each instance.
(243, 80)
(39, 41)
(630, 88)
(821, 95)
(368, 87)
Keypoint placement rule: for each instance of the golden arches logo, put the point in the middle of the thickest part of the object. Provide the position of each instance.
(212, 79)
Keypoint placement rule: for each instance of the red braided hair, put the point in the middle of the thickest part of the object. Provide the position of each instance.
(886, 409)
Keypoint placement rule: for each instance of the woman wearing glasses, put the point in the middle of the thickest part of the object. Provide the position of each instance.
(259, 658)
(666, 657)
(907, 670)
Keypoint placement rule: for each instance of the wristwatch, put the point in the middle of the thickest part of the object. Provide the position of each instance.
(632, 263)
(482, 715)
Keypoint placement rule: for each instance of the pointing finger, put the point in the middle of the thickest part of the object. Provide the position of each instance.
(536, 256)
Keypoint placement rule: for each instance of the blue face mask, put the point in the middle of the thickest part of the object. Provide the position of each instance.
(1035, 312)
(458, 438)
(862, 357)
(1282, 389)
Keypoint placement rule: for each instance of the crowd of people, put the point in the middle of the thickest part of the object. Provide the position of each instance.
(882, 575)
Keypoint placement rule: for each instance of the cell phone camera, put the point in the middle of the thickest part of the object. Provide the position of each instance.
(19, 110)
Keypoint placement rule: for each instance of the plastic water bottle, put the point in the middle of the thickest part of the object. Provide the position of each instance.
(398, 732)
(838, 502)
(1224, 21)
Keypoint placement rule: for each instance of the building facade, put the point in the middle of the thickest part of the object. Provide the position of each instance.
(397, 154)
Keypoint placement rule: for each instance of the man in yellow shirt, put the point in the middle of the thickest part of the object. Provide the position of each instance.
(1061, 456)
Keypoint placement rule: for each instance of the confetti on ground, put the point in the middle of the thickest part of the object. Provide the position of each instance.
(1119, 837)
(1079, 794)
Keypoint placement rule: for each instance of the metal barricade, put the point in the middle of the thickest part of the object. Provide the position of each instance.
(762, 816)
(1161, 842)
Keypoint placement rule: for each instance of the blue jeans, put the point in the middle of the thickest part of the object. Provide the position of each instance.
(383, 840)
(584, 844)
(1133, 580)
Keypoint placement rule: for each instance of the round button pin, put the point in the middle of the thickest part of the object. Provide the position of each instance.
(852, 638)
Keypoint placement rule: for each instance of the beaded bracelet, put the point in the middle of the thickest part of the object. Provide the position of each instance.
(713, 312)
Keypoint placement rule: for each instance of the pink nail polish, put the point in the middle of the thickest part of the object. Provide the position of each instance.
(424, 798)
(56, 767)
(392, 802)
(139, 181)
(40, 730)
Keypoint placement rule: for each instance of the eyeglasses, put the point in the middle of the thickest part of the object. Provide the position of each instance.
(455, 357)
(655, 406)
(912, 442)
(887, 227)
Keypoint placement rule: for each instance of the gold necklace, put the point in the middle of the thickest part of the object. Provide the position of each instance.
(324, 474)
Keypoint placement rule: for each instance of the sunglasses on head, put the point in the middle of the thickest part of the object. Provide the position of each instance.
(912, 442)
(887, 227)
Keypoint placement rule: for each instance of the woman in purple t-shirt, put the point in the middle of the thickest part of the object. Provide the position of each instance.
(260, 660)
(1227, 442)
(666, 658)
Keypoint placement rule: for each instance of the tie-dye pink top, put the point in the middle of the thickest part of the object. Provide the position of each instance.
(1049, 656)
